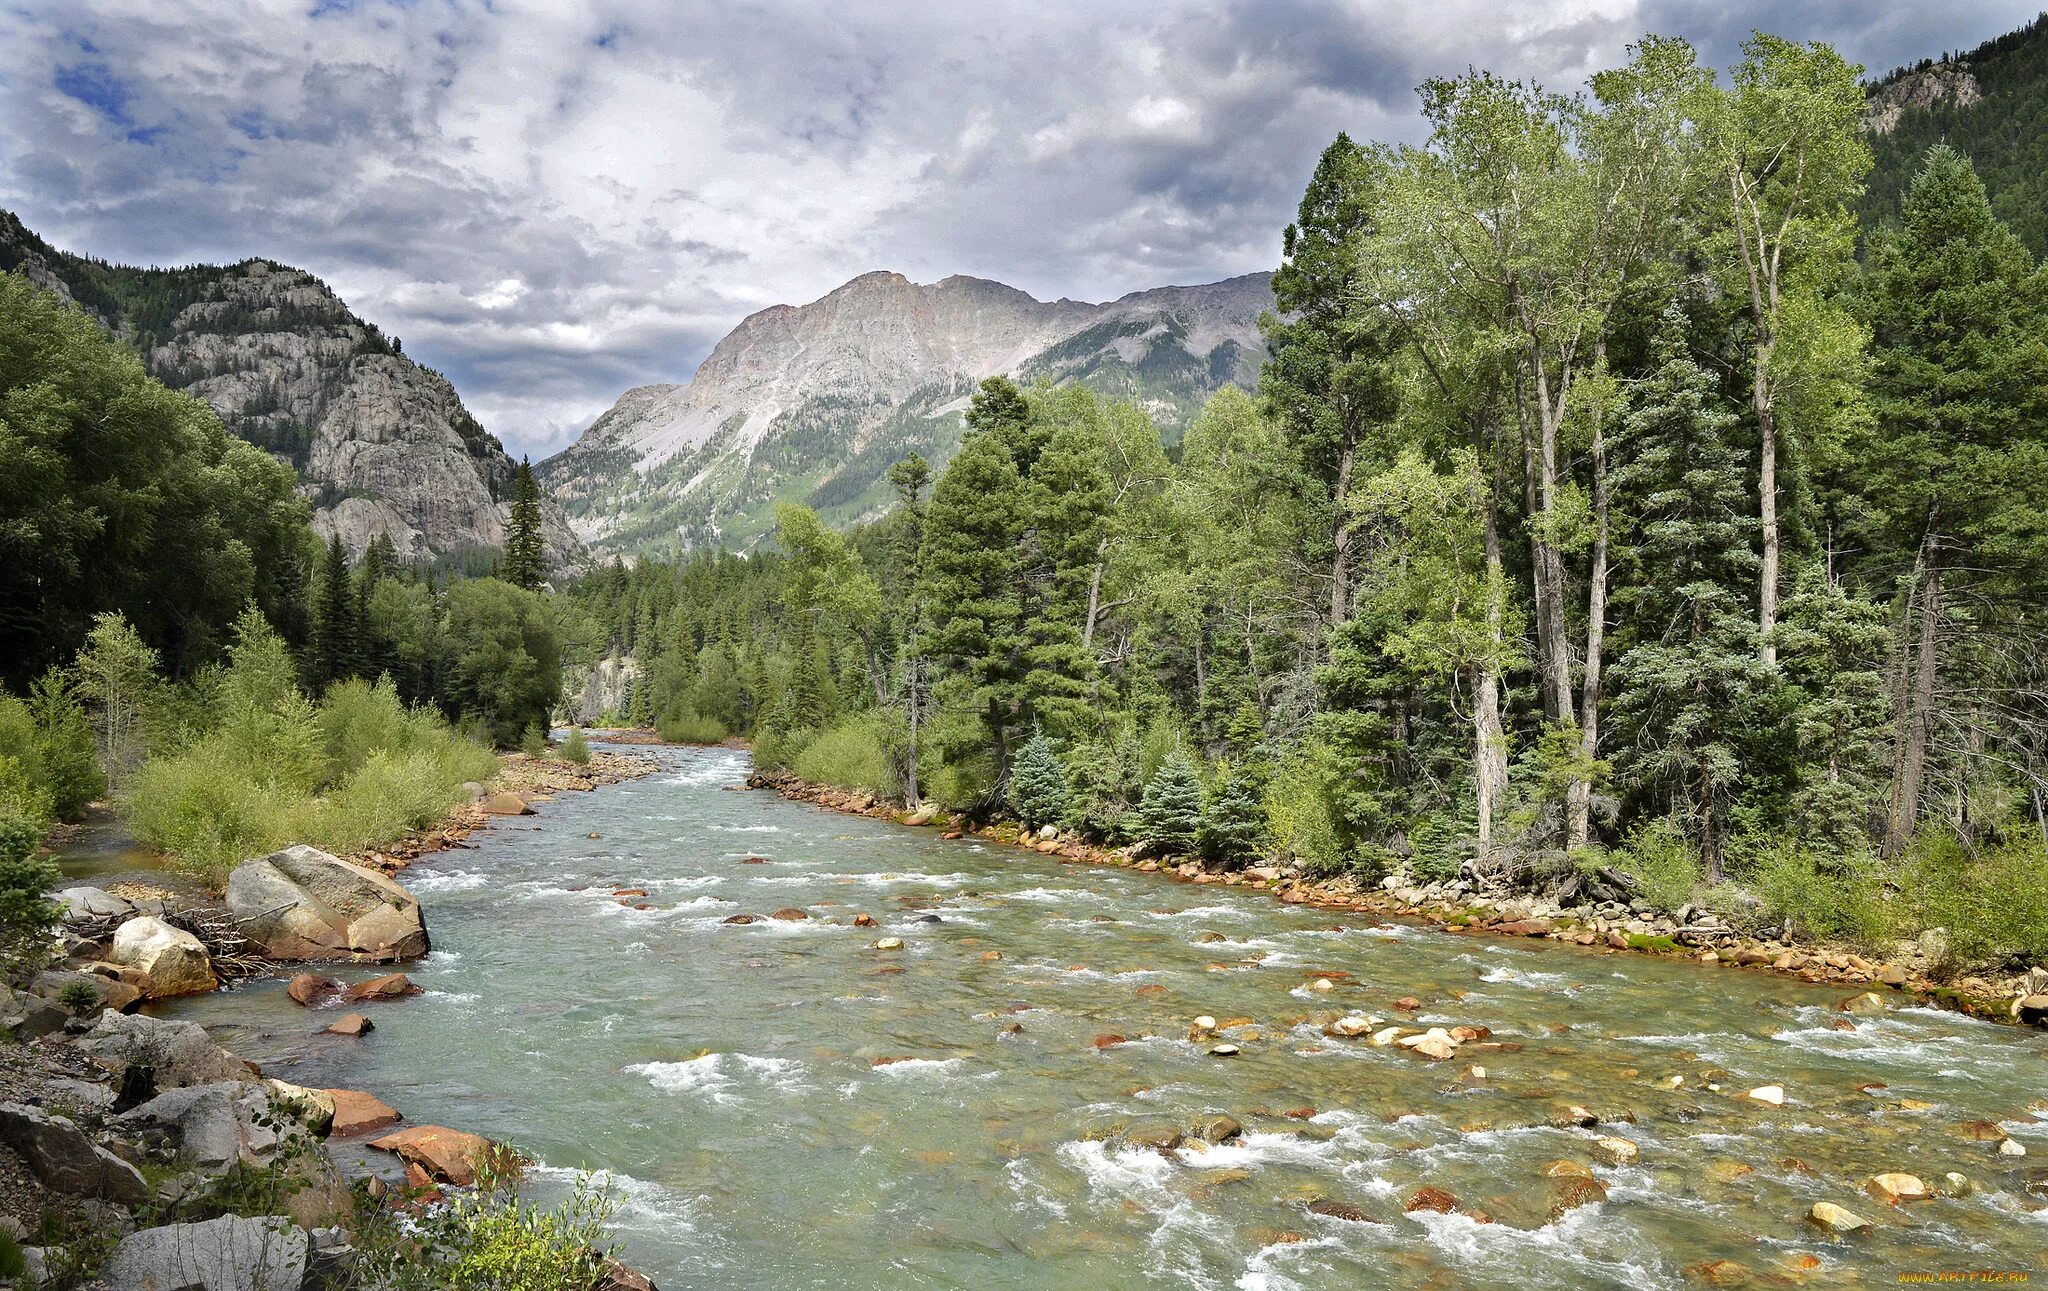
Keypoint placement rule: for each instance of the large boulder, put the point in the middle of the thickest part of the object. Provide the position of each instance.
(67, 985)
(170, 1055)
(84, 904)
(66, 1159)
(225, 1254)
(303, 904)
(174, 960)
(214, 1125)
(447, 1156)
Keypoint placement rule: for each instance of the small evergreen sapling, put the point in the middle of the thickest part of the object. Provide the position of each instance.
(1233, 828)
(576, 748)
(1170, 814)
(1038, 783)
(25, 913)
(534, 743)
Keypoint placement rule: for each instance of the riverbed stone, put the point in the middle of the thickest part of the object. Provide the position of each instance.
(505, 803)
(311, 989)
(108, 993)
(889, 943)
(791, 914)
(1616, 1151)
(1219, 1129)
(1893, 1188)
(2031, 1009)
(303, 904)
(226, 1254)
(358, 1113)
(1868, 1003)
(1343, 1210)
(84, 904)
(447, 1156)
(350, 1024)
(175, 961)
(1774, 1095)
(391, 986)
(64, 1157)
(1569, 1192)
(214, 1125)
(1432, 1199)
(1835, 1219)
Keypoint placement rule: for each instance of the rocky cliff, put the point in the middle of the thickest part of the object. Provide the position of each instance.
(813, 403)
(382, 445)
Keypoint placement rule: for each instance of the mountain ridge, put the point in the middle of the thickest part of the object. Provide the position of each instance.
(813, 402)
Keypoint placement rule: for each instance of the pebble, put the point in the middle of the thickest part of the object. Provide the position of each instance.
(1894, 1188)
(1772, 1094)
(889, 943)
(1223, 1051)
(1616, 1152)
(1835, 1219)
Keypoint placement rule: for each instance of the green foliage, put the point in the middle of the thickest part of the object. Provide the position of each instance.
(1170, 814)
(25, 875)
(685, 726)
(1662, 860)
(78, 997)
(1038, 783)
(1993, 901)
(505, 656)
(852, 754)
(1233, 828)
(491, 1238)
(576, 748)
(50, 743)
(534, 743)
(1819, 895)
(525, 565)
(121, 496)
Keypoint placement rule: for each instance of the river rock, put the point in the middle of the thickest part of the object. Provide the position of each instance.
(226, 1254)
(66, 1159)
(889, 943)
(863, 921)
(391, 986)
(1223, 1051)
(1219, 1129)
(1835, 1219)
(505, 803)
(1616, 1151)
(448, 1156)
(790, 914)
(303, 904)
(738, 919)
(1339, 1210)
(1891, 1189)
(2031, 1009)
(1569, 1192)
(312, 990)
(350, 1024)
(84, 904)
(108, 993)
(214, 1125)
(1771, 1094)
(2011, 1148)
(167, 1054)
(1432, 1199)
(1869, 1002)
(174, 960)
(1562, 1169)
(1162, 1138)
(358, 1113)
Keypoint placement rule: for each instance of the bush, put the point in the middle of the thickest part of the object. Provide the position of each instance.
(1992, 900)
(1233, 828)
(50, 740)
(1171, 811)
(1038, 783)
(1816, 899)
(1663, 862)
(22, 794)
(358, 718)
(1304, 825)
(534, 743)
(25, 913)
(576, 749)
(688, 727)
(205, 811)
(489, 1238)
(851, 755)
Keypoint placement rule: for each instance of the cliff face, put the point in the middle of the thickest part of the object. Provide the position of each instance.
(813, 403)
(382, 445)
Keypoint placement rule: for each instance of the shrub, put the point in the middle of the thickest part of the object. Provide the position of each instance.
(1992, 900)
(534, 743)
(204, 810)
(1171, 811)
(576, 749)
(78, 997)
(1816, 899)
(1299, 815)
(1103, 785)
(490, 1238)
(850, 754)
(25, 913)
(22, 794)
(687, 726)
(1038, 783)
(49, 738)
(1663, 862)
(358, 718)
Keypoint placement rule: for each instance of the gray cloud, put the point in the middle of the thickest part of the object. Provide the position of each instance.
(551, 202)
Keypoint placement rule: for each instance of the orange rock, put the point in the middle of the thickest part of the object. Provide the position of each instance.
(1436, 1199)
(350, 1024)
(391, 986)
(1408, 1004)
(449, 1156)
(310, 989)
(863, 921)
(630, 892)
(1109, 1040)
(790, 914)
(358, 1113)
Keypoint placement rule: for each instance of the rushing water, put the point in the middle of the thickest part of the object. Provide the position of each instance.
(725, 1074)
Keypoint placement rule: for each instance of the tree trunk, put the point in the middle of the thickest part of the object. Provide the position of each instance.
(1489, 743)
(1579, 797)
(1767, 511)
(1094, 595)
(1340, 559)
(1917, 714)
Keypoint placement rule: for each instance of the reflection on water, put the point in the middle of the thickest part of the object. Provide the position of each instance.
(783, 1106)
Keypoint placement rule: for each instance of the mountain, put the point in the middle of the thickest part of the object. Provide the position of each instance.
(381, 444)
(813, 403)
(1991, 104)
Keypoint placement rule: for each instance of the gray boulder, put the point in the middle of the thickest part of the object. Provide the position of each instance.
(214, 1125)
(303, 904)
(82, 904)
(176, 1054)
(66, 1159)
(225, 1254)
(174, 961)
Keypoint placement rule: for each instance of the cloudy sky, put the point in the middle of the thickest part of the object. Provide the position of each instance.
(554, 201)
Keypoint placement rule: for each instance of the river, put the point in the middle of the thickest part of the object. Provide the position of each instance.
(725, 1075)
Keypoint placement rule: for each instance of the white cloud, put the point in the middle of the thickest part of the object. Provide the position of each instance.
(554, 201)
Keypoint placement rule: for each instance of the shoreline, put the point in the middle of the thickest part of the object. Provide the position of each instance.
(1713, 945)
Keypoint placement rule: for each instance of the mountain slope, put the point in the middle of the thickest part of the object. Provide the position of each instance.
(813, 403)
(1990, 103)
(381, 444)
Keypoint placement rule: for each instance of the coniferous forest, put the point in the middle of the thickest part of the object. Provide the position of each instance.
(1615, 510)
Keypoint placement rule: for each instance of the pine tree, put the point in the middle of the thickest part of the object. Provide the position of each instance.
(1038, 783)
(525, 556)
(1233, 828)
(1688, 689)
(973, 528)
(336, 620)
(576, 748)
(1170, 815)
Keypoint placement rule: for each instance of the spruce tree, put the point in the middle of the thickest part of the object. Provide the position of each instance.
(336, 618)
(1170, 815)
(1233, 828)
(1689, 689)
(525, 557)
(1038, 783)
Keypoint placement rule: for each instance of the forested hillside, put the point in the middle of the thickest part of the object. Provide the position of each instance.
(1990, 104)
(1632, 537)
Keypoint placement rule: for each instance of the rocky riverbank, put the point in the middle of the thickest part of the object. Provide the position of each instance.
(135, 1152)
(1466, 907)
